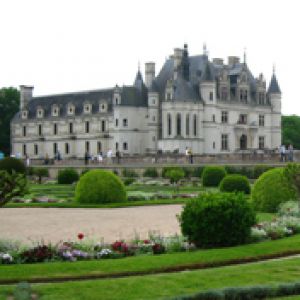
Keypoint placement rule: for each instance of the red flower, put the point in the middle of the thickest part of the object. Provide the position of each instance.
(80, 236)
(146, 242)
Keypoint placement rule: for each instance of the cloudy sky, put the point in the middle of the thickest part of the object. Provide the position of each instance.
(63, 46)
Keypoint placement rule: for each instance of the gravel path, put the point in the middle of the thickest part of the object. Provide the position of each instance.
(56, 224)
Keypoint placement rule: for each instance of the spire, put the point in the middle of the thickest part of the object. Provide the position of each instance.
(274, 87)
(205, 52)
(138, 82)
(207, 75)
(245, 56)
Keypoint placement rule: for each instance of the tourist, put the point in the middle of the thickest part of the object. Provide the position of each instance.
(290, 152)
(191, 156)
(187, 154)
(282, 152)
(109, 156)
(27, 159)
(46, 161)
(86, 158)
(100, 157)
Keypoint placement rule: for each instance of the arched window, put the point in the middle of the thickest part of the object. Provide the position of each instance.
(178, 123)
(195, 125)
(187, 125)
(169, 120)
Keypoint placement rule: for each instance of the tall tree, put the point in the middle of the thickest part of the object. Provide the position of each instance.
(9, 106)
(291, 131)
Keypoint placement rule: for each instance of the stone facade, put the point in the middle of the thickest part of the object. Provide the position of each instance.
(207, 106)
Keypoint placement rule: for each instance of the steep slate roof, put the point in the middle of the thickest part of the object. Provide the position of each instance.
(274, 87)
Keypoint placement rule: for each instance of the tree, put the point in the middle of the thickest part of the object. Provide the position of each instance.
(40, 173)
(11, 185)
(175, 175)
(9, 106)
(291, 130)
(292, 172)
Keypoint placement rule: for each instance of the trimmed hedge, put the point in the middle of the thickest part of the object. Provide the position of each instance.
(235, 183)
(10, 164)
(271, 189)
(217, 220)
(129, 173)
(212, 175)
(67, 176)
(151, 172)
(100, 186)
(174, 175)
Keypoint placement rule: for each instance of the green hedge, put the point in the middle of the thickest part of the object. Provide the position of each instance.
(129, 173)
(151, 172)
(212, 175)
(100, 186)
(67, 176)
(10, 164)
(235, 183)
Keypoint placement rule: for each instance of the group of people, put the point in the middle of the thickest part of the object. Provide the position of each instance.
(286, 153)
(100, 157)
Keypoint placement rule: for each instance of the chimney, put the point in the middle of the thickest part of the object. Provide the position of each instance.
(177, 60)
(218, 61)
(149, 73)
(25, 95)
(233, 60)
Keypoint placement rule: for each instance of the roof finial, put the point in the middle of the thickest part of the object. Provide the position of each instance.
(205, 49)
(274, 68)
(139, 66)
(245, 55)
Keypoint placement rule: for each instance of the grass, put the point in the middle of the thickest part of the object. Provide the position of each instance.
(166, 286)
(147, 263)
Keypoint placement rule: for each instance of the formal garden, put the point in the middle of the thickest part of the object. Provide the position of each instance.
(240, 234)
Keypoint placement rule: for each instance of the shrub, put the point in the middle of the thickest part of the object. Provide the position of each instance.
(129, 173)
(271, 189)
(151, 172)
(188, 172)
(175, 175)
(10, 164)
(67, 176)
(235, 183)
(40, 253)
(217, 220)
(242, 170)
(198, 171)
(129, 181)
(100, 186)
(212, 175)
(260, 169)
(40, 173)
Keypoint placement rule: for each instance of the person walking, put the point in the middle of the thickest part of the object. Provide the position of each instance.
(282, 151)
(290, 153)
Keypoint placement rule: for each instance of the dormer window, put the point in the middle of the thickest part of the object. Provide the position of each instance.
(71, 109)
(24, 114)
(87, 108)
(103, 107)
(40, 113)
(55, 111)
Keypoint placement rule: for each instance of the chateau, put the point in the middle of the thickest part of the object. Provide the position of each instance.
(206, 105)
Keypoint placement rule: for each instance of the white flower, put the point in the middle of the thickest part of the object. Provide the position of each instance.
(7, 257)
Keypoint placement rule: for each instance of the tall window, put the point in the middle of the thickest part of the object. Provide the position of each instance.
(187, 125)
(261, 142)
(117, 122)
(55, 129)
(99, 147)
(24, 130)
(24, 150)
(195, 125)
(224, 117)
(117, 146)
(244, 95)
(211, 96)
(125, 146)
(178, 121)
(102, 125)
(261, 120)
(261, 97)
(36, 149)
(70, 128)
(224, 142)
(87, 127)
(67, 150)
(224, 93)
(242, 119)
(214, 118)
(54, 148)
(125, 122)
(87, 146)
(40, 131)
(169, 120)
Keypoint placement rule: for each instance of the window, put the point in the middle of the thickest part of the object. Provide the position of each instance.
(187, 125)
(261, 120)
(224, 93)
(169, 120)
(99, 147)
(117, 146)
(55, 111)
(70, 128)
(211, 96)
(125, 146)
(54, 148)
(24, 114)
(153, 139)
(195, 125)
(24, 150)
(67, 150)
(87, 127)
(243, 95)
(224, 117)
(36, 149)
(214, 118)
(55, 129)
(214, 145)
(103, 126)
(242, 119)
(87, 146)
(224, 142)
(153, 118)
(117, 122)
(103, 107)
(261, 142)
(178, 122)
(71, 109)
(40, 131)
(87, 108)
(125, 122)
(168, 96)
(153, 101)
(261, 98)
(39, 113)
(24, 130)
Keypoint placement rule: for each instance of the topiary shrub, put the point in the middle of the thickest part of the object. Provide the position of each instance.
(100, 186)
(40, 173)
(129, 173)
(217, 220)
(67, 176)
(10, 164)
(212, 175)
(175, 175)
(271, 189)
(151, 172)
(235, 183)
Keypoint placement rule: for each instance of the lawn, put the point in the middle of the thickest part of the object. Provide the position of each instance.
(147, 264)
(166, 286)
